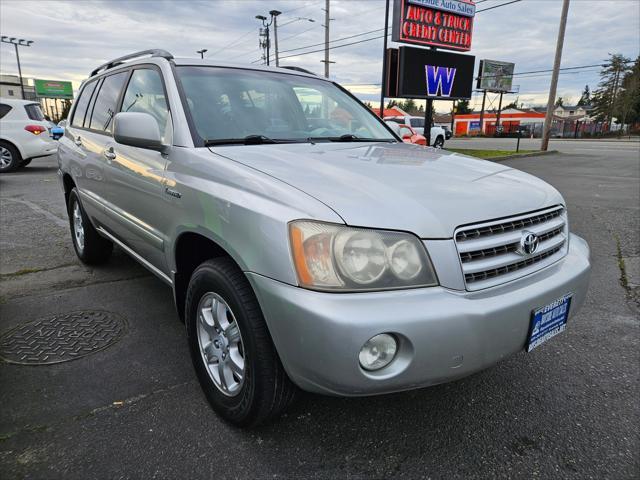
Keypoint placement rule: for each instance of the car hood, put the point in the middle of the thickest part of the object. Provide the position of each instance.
(399, 186)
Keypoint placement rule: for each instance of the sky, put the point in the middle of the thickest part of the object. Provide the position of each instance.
(73, 37)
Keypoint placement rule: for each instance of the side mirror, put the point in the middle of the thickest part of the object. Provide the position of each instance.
(137, 130)
(406, 137)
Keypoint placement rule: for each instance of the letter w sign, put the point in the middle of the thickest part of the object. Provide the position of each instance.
(439, 80)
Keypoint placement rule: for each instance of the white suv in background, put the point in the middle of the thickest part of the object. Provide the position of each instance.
(24, 134)
(438, 134)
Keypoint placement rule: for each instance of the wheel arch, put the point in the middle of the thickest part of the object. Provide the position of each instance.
(190, 249)
(14, 145)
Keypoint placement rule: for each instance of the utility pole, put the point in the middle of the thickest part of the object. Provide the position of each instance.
(327, 19)
(383, 84)
(202, 52)
(264, 32)
(22, 43)
(546, 131)
(274, 18)
(613, 98)
(484, 99)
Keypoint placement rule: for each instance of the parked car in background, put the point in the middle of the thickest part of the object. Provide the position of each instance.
(24, 134)
(305, 245)
(438, 134)
(407, 134)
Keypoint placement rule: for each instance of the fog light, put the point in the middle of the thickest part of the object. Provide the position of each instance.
(378, 352)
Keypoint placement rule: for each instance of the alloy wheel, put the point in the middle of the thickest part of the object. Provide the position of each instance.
(5, 157)
(220, 342)
(78, 228)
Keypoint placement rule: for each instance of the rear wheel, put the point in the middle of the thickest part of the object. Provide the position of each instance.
(10, 158)
(231, 349)
(439, 143)
(90, 247)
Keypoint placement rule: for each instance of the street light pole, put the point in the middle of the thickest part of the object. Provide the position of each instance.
(202, 52)
(274, 19)
(18, 42)
(554, 77)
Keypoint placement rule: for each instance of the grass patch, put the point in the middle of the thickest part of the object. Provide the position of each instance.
(489, 153)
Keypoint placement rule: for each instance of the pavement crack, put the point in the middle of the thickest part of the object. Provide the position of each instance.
(37, 208)
(115, 405)
(26, 271)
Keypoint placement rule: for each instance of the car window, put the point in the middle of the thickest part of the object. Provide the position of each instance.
(34, 112)
(106, 102)
(417, 122)
(4, 109)
(82, 104)
(145, 94)
(230, 103)
(404, 131)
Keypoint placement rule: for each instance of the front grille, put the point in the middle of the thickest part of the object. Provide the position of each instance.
(490, 252)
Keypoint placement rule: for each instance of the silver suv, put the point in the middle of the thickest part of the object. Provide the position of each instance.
(305, 244)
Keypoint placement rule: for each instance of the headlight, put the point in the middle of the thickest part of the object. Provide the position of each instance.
(335, 257)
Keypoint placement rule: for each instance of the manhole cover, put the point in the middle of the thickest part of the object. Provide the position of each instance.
(61, 338)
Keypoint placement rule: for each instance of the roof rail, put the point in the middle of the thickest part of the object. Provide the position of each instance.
(117, 61)
(300, 69)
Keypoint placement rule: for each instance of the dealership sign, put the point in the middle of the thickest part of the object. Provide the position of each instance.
(422, 73)
(53, 89)
(436, 23)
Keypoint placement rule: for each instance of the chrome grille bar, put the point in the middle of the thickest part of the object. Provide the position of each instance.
(491, 254)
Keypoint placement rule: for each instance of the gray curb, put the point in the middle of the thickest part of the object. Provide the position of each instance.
(522, 155)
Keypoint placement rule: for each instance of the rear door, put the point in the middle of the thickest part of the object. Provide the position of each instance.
(78, 155)
(135, 175)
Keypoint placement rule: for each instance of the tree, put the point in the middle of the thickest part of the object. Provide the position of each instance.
(605, 98)
(463, 107)
(585, 98)
(627, 108)
(513, 104)
(559, 102)
(392, 103)
(409, 106)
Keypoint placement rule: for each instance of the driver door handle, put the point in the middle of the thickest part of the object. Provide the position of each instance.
(109, 154)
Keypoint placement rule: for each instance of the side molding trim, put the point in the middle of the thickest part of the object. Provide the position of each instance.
(137, 257)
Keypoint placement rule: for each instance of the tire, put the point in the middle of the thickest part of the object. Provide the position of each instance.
(90, 247)
(25, 162)
(439, 143)
(264, 390)
(10, 158)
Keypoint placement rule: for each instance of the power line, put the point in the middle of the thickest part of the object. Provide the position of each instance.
(363, 33)
(233, 42)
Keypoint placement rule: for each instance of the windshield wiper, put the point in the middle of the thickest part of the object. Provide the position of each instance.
(350, 137)
(248, 140)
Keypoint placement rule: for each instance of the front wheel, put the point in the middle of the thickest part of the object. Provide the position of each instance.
(90, 247)
(439, 143)
(231, 349)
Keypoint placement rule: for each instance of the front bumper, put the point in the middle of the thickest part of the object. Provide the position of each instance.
(443, 334)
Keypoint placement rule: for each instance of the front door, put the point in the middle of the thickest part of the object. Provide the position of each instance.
(135, 175)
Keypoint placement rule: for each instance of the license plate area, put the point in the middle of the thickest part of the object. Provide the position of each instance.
(548, 321)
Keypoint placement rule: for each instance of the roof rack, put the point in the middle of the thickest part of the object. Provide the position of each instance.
(300, 69)
(117, 61)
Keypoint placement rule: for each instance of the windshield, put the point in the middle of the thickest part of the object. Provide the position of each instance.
(232, 104)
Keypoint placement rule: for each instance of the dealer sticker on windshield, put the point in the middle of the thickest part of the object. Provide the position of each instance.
(548, 321)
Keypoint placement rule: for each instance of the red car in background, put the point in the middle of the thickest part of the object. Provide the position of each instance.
(407, 134)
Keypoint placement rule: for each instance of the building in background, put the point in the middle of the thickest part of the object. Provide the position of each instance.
(10, 87)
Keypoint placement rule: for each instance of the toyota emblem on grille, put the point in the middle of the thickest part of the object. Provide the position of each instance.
(528, 243)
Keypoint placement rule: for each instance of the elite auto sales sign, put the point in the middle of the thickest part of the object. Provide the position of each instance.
(437, 23)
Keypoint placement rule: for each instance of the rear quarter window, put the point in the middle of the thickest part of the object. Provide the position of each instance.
(82, 103)
(34, 112)
(4, 109)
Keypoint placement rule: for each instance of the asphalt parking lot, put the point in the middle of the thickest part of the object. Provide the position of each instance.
(570, 409)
